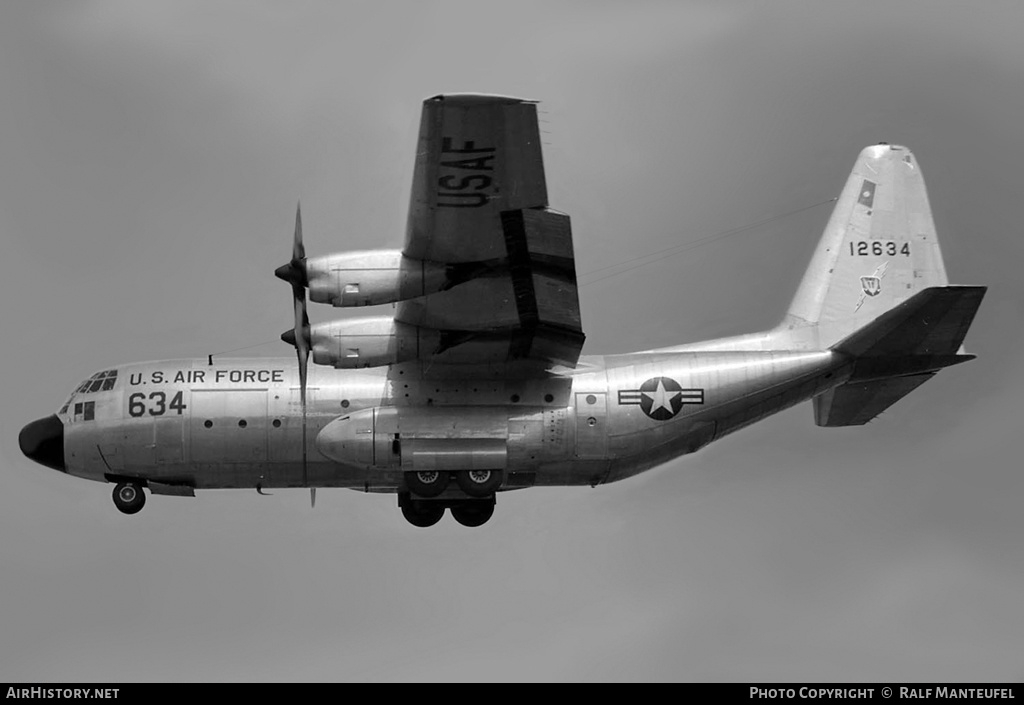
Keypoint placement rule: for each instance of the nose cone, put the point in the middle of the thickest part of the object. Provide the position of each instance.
(43, 441)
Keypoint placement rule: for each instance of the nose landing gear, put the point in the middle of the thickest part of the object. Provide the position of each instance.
(129, 497)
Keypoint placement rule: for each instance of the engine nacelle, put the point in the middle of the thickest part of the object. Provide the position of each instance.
(369, 342)
(371, 277)
(419, 439)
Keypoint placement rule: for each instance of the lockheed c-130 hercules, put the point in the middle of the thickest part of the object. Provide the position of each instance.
(476, 385)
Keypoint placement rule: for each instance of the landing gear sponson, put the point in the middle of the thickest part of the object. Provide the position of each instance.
(471, 504)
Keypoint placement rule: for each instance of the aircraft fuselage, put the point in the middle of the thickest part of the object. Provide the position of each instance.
(187, 424)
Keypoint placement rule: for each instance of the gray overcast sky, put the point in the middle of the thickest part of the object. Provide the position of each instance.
(151, 155)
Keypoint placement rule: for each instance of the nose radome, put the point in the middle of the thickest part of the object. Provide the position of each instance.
(43, 441)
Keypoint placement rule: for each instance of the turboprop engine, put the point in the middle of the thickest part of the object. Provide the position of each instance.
(366, 278)
(366, 342)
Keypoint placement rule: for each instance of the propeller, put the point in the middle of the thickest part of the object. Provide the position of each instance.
(295, 273)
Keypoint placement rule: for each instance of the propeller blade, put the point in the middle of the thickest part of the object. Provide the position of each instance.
(299, 337)
(312, 498)
(295, 273)
(298, 249)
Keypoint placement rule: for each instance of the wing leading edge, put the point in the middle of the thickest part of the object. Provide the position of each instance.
(479, 208)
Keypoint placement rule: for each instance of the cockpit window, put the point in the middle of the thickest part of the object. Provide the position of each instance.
(101, 381)
(85, 411)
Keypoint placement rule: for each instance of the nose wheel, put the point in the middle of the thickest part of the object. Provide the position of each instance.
(129, 497)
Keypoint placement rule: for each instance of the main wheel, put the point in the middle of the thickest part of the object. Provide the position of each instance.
(129, 497)
(479, 483)
(473, 513)
(422, 514)
(426, 484)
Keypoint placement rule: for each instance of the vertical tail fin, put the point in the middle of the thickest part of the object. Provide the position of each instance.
(878, 249)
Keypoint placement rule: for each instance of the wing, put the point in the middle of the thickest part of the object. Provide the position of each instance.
(479, 207)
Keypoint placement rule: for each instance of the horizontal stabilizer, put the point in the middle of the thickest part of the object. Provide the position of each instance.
(856, 403)
(933, 322)
(898, 352)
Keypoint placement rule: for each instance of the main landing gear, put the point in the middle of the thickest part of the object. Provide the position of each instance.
(472, 504)
(427, 484)
(129, 497)
(419, 512)
(475, 513)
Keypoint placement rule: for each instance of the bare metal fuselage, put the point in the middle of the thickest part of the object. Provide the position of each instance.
(187, 424)
(475, 384)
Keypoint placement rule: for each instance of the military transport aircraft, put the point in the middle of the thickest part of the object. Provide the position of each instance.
(475, 385)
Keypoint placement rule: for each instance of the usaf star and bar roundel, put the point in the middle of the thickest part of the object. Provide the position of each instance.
(661, 398)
